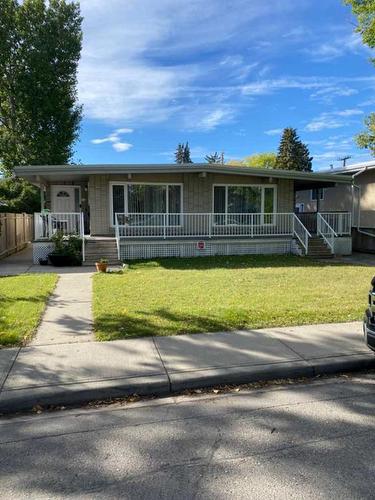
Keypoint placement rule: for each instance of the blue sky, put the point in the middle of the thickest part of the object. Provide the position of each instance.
(223, 75)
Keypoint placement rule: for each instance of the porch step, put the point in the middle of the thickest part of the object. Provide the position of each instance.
(318, 248)
(96, 249)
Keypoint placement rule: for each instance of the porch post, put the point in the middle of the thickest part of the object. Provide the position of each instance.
(42, 198)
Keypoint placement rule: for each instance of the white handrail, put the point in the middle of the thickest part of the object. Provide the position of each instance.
(300, 231)
(202, 225)
(340, 222)
(82, 234)
(117, 235)
(47, 224)
(326, 232)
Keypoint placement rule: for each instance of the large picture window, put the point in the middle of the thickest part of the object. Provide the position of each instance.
(231, 200)
(145, 200)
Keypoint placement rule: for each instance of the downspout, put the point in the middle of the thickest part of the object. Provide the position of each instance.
(359, 203)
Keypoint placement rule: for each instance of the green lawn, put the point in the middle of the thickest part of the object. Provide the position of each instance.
(22, 302)
(174, 296)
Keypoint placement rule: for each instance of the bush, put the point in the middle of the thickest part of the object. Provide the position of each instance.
(68, 246)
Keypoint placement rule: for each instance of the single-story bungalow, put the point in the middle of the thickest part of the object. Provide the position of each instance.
(145, 211)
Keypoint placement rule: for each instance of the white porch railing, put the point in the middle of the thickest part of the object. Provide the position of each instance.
(47, 224)
(300, 232)
(326, 232)
(207, 225)
(340, 222)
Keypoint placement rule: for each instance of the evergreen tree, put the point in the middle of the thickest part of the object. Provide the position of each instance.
(182, 154)
(179, 154)
(187, 158)
(293, 154)
(213, 158)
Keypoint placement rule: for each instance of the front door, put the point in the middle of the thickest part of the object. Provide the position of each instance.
(65, 199)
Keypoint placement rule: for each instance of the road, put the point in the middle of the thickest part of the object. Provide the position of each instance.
(306, 440)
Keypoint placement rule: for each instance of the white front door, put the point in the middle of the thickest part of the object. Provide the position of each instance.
(64, 199)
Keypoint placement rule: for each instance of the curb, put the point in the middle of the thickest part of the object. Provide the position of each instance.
(162, 385)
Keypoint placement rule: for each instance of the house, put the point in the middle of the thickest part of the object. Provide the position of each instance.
(145, 211)
(359, 198)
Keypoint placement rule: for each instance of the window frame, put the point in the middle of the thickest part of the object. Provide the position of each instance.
(262, 186)
(321, 197)
(126, 207)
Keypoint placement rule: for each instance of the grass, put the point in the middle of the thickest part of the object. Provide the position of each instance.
(22, 302)
(175, 296)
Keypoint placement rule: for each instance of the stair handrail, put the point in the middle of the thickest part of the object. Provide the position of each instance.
(326, 232)
(117, 235)
(301, 232)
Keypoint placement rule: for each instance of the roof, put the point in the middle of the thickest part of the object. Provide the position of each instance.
(351, 169)
(38, 174)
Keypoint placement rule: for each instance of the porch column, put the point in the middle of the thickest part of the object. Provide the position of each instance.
(42, 198)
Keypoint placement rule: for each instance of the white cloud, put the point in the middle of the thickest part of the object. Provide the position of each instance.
(337, 47)
(115, 139)
(332, 120)
(122, 146)
(327, 95)
(128, 69)
(274, 131)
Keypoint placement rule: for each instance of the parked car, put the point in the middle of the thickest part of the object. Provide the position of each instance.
(369, 319)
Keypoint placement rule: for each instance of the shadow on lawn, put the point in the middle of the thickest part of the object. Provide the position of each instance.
(235, 262)
(121, 326)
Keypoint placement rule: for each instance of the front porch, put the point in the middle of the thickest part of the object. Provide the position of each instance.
(149, 235)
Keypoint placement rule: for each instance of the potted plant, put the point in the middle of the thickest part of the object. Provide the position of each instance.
(67, 250)
(101, 265)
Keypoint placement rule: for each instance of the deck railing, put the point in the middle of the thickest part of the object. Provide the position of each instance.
(202, 225)
(47, 224)
(340, 222)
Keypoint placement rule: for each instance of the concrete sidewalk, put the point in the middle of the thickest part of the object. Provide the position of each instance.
(69, 373)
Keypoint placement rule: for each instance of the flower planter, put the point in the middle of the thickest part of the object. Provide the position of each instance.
(61, 260)
(101, 267)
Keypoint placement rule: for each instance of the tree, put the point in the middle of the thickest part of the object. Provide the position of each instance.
(182, 154)
(179, 154)
(293, 154)
(40, 45)
(364, 10)
(257, 160)
(17, 195)
(215, 158)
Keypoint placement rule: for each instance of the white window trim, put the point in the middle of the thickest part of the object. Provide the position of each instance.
(262, 186)
(125, 184)
(55, 188)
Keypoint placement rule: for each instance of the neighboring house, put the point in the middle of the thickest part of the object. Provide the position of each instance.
(145, 211)
(358, 199)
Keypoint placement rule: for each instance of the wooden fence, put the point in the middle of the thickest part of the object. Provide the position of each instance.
(16, 230)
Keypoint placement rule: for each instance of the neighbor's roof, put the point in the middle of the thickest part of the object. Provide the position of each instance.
(69, 173)
(351, 169)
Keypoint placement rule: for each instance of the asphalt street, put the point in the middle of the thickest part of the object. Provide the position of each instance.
(306, 440)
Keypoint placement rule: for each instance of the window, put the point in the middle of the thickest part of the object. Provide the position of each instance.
(63, 194)
(243, 199)
(317, 192)
(147, 199)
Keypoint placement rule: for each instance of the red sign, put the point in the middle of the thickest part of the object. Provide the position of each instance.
(201, 245)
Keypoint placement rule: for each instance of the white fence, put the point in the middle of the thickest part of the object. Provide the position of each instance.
(16, 230)
(47, 224)
(326, 232)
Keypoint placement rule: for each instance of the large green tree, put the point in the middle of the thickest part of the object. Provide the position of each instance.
(257, 160)
(40, 45)
(293, 154)
(364, 10)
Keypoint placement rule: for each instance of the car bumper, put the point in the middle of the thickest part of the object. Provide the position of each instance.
(369, 330)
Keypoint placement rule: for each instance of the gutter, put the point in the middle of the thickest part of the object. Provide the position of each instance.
(366, 233)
